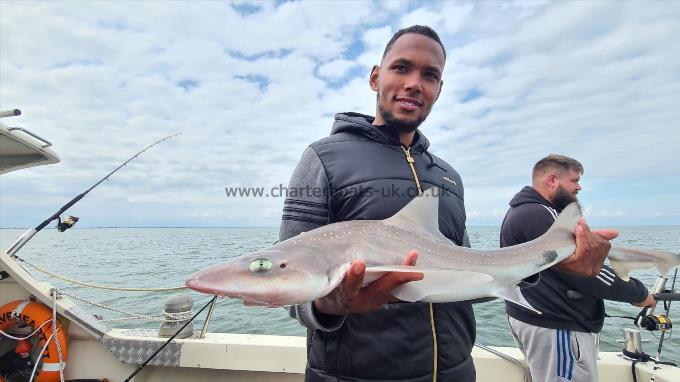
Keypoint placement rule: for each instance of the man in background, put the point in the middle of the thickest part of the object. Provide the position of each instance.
(370, 168)
(560, 344)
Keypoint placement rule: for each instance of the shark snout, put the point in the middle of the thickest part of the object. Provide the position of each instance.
(259, 280)
(200, 284)
(218, 280)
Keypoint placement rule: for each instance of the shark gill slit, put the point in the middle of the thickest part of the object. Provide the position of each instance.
(410, 161)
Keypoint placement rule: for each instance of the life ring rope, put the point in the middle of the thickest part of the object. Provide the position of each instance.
(24, 338)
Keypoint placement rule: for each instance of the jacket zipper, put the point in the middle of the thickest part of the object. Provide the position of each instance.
(411, 161)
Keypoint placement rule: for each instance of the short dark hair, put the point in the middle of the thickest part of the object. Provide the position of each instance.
(417, 29)
(557, 162)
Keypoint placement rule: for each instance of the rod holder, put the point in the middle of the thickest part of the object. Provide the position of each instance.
(632, 343)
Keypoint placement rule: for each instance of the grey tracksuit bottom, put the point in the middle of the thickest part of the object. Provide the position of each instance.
(556, 355)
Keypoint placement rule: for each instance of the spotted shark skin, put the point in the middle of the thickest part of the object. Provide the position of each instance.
(312, 264)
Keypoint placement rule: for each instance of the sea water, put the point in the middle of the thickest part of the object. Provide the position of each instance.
(165, 257)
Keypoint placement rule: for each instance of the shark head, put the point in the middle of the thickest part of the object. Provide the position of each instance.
(269, 277)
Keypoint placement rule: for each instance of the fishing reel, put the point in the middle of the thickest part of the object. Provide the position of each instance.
(655, 322)
(68, 222)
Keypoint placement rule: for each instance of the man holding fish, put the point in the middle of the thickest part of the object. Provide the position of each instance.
(363, 333)
(370, 195)
(560, 344)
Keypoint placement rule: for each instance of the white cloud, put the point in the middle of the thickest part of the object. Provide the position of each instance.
(376, 38)
(457, 15)
(335, 69)
(473, 214)
(597, 81)
(499, 212)
(422, 16)
(604, 213)
(374, 41)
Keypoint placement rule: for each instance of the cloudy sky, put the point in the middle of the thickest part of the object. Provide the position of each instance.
(250, 84)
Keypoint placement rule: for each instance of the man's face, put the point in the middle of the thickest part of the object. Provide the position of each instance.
(567, 188)
(408, 82)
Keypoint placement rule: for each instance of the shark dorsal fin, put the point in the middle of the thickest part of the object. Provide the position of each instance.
(421, 215)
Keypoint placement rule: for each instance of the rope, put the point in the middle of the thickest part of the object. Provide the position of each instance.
(165, 317)
(143, 365)
(35, 366)
(610, 316)
(644, 357)
(55, 328)
(96, 286)
(119, 319)
(23, 338)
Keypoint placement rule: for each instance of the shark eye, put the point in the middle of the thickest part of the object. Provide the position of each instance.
(260, 265)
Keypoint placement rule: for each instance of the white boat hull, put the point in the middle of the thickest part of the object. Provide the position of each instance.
(99, 352)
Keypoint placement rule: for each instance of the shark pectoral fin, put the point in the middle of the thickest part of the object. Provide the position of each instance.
(440, 283)
(376, 272)
(397, 268)
(370, 277)
(335, 275)
(514, 295)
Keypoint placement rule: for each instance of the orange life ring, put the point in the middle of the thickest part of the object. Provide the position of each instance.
(34, 314)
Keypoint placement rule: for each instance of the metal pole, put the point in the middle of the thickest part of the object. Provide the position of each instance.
(10, 113)
(207, 318)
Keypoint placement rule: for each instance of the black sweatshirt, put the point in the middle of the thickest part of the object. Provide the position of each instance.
(567, 301)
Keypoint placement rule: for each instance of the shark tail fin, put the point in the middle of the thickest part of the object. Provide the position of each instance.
(623, 260)
(622, 268)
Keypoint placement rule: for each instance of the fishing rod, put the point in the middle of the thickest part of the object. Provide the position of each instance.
(71, 220)
(166, 343)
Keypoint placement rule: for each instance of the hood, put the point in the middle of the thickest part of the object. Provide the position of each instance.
(529, 195)
(356, 123)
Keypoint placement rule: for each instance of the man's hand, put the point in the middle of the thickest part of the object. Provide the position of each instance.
(649, 302)
(350, 297)
(592, 248)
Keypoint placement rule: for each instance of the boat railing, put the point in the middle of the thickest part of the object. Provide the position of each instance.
(32, 134)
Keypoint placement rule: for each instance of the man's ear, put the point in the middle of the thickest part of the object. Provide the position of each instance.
(373, 78)
(441, 85)
(551, 179)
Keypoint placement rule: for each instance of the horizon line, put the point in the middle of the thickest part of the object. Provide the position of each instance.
(262, 226)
